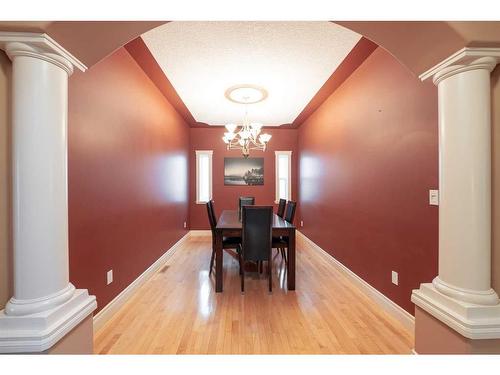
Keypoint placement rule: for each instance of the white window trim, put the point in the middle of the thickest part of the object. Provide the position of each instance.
(276, 182)
(209, 153)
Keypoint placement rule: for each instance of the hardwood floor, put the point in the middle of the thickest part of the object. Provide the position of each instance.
(178, 311)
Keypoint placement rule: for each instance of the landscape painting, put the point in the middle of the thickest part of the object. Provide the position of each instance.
(241, 171)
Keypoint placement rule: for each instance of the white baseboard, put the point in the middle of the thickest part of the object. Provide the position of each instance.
(200, 233)
(380, 299)
(103, 316)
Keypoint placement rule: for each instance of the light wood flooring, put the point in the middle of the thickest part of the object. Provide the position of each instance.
(178, 312)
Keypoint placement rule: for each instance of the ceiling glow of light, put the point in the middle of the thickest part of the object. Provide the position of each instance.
(291, 60)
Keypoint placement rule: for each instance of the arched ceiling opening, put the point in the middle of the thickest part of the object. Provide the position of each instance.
(418, 45)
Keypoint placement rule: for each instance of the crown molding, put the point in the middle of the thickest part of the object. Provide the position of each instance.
(42, 42)
(464, 56)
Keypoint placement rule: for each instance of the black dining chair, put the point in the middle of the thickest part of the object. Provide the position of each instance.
(281, 243)
(281, 208)
(257, 222)
(290, 211)
(244, 201)
(280, 213)
(227, 242)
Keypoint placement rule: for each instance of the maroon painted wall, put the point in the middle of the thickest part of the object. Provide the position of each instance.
(368, 157)
(226, 197)
(128, 175)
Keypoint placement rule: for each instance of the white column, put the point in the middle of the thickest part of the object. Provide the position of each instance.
(45, 305)
(461, 295)
(39, 174)
(465, 182)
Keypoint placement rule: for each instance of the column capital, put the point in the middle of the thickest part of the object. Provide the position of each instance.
(468, 58)
(40, 46)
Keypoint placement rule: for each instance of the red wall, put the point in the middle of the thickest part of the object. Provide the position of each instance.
(128, 175)
(364, 161)
(226, 197)
(368, 157)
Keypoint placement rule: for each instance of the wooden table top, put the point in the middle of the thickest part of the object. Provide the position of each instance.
(229, 220)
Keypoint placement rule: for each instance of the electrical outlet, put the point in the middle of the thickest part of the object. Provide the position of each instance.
(434, 197)
(185, 225)
(394, 277)
(301, 223)
(109, 277)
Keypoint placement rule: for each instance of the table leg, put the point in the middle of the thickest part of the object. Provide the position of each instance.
(291, 261)
(218, 261)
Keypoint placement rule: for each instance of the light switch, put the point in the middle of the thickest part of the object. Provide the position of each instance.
(434, 197)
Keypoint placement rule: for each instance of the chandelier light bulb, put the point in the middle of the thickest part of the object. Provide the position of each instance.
(229, 136)
(264, 138)
(256, 126)
(231, 127)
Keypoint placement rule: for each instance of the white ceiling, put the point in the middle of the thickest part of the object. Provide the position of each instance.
(291, 60)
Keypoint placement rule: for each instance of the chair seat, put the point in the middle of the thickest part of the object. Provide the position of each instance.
(231, 242)
(279, 242)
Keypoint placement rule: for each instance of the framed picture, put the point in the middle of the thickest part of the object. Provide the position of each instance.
(241, 171)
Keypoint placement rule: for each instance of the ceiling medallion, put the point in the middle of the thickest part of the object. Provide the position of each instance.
(246, 94)
(248, 136)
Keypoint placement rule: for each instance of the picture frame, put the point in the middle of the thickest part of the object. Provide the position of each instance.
(243, 171)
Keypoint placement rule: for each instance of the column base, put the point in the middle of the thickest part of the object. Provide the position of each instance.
(32, 306)
(80, 340)
(39, 332)
(483, 297)
(434, 337)
(469, 320)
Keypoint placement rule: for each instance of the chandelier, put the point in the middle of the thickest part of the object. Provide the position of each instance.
(248, 135)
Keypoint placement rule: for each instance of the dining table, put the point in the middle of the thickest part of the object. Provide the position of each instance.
(229, 225)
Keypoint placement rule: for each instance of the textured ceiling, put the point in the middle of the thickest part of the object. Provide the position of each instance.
(292, 60)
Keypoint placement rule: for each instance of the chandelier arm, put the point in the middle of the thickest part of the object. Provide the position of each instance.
(262, 148)
(255, 142)
(238, 147)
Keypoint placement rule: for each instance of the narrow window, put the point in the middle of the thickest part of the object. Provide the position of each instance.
(283, 175)
(203, 176)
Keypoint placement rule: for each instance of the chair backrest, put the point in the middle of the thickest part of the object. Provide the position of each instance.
(257, 222)
(281, 208)
(211, 215)
(245, 201)
(290, 211)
